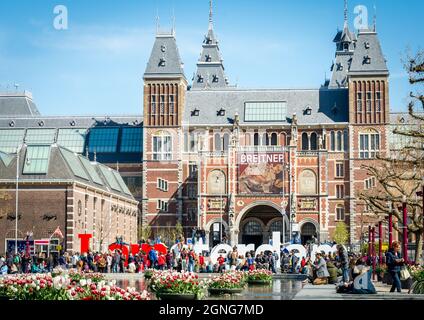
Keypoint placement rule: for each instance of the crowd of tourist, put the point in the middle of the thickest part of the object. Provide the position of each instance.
(341, 267)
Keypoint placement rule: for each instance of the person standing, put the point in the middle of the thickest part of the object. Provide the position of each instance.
(343, 261)
(394, 261)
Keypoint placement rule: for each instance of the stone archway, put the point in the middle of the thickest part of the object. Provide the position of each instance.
(308, 230)
(257, 221)
(212, 236)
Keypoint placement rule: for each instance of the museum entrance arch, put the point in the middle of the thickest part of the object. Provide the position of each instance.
(307, 232)
(258, 222)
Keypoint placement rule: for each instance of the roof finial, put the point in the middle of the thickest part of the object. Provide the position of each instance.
(345, 13)
(210, 15)
(173, 22)
(375, 18)
(157, 21)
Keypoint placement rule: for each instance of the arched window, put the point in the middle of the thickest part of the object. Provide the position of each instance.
(216, 182)
(226, 142)
(308, 229)
(283, 141)
(307, 183)
(314, 142)
(218, 146)
(256, 139)
(340, 213)
(277, 226)
(305, 141)
(339, 141)
(186, 140)
(274, 141)
(267, 142)
(265, 139)
(79, 207)
(333, 141)
(252, 228)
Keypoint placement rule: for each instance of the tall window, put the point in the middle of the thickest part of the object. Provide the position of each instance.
(369, 145)
(218, 145)
(226, 142)
(333, 141)
(340, 191)
(359, 101)
(162, 147)
(171, 104)
(369, 101)
(162, 104)
(340, 213)
(339, 170)
(256, 139)
(346, 140)
(162, 184)
(274, 141)
(314, 141)
(305, 141)
(378, 101)
(153, 102)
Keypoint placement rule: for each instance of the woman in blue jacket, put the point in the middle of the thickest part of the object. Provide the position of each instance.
(394, 262)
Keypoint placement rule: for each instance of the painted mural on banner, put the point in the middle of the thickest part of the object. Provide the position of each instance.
(261, 173)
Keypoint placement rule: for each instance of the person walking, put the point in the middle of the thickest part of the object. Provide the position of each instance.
(394, 262)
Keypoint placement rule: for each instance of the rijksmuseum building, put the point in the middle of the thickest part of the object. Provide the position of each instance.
(236, 163)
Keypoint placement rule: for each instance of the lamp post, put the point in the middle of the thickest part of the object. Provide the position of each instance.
(380, 242)
(405, 228)
(373, 251)
(390, 206)
(18, 151)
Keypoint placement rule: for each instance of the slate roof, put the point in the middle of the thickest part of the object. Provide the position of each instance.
(62, 169)
(368, 45)
(165, 48)
(321, 101)
(340, 70)
(17, 104)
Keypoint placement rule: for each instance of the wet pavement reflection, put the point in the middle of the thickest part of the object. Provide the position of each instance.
(280, 289)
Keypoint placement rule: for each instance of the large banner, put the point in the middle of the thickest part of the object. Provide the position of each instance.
(261, 173)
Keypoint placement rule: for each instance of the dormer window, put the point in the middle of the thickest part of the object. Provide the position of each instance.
(346, 46)
(195, 113)
(402, 120)
(163, 48)
(367, 60)
(12, 124)
(162, 62)
(41, 123)
(199, 79)
(208, 40)
(339, 67)
(208, 58)
(215, 78)
(367, 45)
(221, 112)
(72, 123)
(308, 111)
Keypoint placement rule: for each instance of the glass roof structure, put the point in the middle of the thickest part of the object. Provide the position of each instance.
(121, 183)
(72, 139)
(265, 111)
(131, 140)
(103, 140)
(10, 139)
(110, 178)
(74, 164)
(40, 136)
(91, 171)
(36, 160)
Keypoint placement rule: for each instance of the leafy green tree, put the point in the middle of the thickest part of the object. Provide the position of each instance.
(341, 234)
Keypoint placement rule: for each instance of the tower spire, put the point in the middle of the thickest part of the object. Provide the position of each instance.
(210, 15)
(157, 21)
(375, 18)
(345, 13)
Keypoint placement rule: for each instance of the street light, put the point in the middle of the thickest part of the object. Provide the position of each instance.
(18, 151)
(390, 206)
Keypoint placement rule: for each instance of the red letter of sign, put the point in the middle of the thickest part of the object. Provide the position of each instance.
(85, 242)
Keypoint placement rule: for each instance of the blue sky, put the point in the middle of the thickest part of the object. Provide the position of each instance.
(96, 66)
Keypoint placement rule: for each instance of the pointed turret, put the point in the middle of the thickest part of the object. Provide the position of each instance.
(345, 46)
(210, 69)
(165, 60)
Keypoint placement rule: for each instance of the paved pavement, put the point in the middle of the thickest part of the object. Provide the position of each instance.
(328, 292)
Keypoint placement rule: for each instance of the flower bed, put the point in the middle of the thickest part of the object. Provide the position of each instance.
(259, 277)
(169, 283)
(148, 273)
(417, 274)
(63, 287)
(229, 282)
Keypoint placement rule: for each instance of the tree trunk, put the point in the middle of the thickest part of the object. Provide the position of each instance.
(419, 249)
